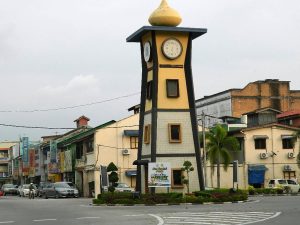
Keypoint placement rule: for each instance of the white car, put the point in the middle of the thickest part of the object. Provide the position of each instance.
(292, 184)
(122, 187)
(24, 190)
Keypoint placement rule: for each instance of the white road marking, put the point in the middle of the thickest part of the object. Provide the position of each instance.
(42, 220)
(136, 215)
(276, 214)
(3, 222)
(160, 220)
(208, 218)
(87, 217)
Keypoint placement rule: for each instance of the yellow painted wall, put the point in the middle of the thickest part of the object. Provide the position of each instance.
(111, 142)
(252, 156)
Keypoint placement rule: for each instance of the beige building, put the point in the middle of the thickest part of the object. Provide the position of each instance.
(117, 143)
(267, 152)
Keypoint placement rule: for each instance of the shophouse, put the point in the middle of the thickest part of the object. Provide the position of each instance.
(269, 93)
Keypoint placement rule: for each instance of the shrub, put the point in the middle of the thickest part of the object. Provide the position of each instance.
(251, 190)
(98, 201)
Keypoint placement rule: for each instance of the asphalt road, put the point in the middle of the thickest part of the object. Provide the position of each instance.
(260, 210)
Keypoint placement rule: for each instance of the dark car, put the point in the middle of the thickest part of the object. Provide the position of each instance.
(40, 189)
(9, 189)
(57, 190)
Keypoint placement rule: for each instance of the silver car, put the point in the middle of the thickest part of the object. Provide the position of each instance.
(24, 190)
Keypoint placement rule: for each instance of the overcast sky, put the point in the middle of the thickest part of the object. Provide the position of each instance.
(61, 53)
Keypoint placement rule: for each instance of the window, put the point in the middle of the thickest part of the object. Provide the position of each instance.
(90, 146)
(177, 178)
(149, 90)
(260, 143)
(134, 142)
(147, 134)
(79, 150)
(174, 133)
(172, 88)
(287, 143)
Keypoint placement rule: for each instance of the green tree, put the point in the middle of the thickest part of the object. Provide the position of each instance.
(296, 137)
(113, 176)
(187, 167)
(218, 145)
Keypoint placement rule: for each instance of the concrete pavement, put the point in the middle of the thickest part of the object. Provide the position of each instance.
(261, 210)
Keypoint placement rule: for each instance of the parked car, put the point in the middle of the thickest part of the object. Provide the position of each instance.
(9, 189)
(58, 190)
(293, 184)
(122, 187)
(290, 183)
(40, 188)
(24, 190)
(73, 186)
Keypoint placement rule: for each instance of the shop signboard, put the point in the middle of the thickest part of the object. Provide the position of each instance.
(159, 174)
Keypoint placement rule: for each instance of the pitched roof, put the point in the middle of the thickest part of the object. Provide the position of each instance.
(289, 113)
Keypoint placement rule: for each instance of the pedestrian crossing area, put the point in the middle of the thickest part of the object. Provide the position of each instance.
(216, 218)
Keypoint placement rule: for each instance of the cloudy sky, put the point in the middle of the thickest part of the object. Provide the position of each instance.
(63, 53)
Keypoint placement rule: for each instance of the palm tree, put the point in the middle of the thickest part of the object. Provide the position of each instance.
(296, 136)
(218, 145)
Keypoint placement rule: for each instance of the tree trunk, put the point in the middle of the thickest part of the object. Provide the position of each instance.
(218, 171)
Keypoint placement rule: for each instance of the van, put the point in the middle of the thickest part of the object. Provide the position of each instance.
(290, 183)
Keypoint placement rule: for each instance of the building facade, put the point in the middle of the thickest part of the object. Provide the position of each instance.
(269, 93)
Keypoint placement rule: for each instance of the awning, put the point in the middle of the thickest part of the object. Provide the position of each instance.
(256, 174)
(130, 173)
(260, 137)
(257, 168)
(140, 162)
(131, 133)
(287, 136)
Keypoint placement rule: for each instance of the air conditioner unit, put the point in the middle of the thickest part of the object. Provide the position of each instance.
(263, 155)
(287, 168)
(291, 155)
(126, 152)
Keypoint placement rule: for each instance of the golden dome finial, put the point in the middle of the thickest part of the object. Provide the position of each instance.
(164, 15)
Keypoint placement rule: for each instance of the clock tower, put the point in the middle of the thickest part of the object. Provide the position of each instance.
(168, 129)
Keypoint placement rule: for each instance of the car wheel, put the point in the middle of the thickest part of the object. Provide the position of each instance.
(46, 197)
(56, 195)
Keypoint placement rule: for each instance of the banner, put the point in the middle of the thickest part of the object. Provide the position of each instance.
(159, 174)
(62, 162)
(25, 143)
(53, 151)
(53, 168)
(68, 161)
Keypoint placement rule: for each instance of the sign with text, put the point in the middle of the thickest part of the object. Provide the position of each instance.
(159, 174)
(53, 151)
(25, 146)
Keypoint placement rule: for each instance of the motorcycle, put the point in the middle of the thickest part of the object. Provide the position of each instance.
(31, 194)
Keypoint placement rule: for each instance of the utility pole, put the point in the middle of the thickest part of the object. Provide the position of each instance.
(204, 148)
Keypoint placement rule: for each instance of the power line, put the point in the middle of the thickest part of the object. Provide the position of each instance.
(36, 127)
(57, 128)
(68, 107)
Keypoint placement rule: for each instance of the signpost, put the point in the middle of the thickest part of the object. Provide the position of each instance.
(159, 174)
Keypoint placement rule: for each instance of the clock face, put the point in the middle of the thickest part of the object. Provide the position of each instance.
(171, 48)
(147, 51)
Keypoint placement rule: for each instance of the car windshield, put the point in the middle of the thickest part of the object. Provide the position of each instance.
(9, 185)
(282, 181)
(61, 185)
(291, 182)
(71, 184)
(121, 185)
(26, 186)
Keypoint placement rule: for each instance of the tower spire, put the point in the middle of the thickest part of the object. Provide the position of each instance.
(164, 15)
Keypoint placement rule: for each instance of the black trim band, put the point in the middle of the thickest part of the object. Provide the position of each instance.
(170, 66)
(170, 155)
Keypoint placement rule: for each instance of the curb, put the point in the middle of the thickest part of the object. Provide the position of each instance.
(170, 204)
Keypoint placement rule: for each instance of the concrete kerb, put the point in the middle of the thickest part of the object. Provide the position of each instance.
(171, 204)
